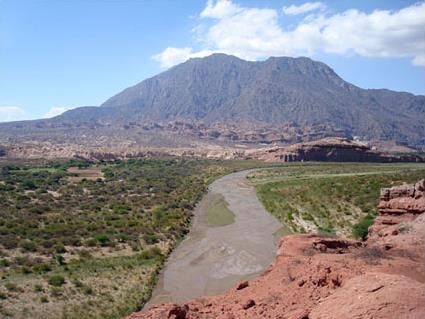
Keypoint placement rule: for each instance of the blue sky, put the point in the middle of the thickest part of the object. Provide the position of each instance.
(61, 54)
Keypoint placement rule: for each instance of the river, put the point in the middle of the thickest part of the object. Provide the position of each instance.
(213, 259)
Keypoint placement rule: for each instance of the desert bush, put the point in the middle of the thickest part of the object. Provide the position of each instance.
(28, 245)
(44, 299)
(102, 239)
(41, 267)
(11, 286)
(56, 280)
(38, 288)
(4, 262)
(360, 230)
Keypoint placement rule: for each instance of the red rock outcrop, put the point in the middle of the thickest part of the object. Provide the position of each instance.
(396, 205)
(317, 277)
(329, 149)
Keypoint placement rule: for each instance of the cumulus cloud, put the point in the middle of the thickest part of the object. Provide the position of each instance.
(172, 56)
(304, 8)
(54, 111)
(12, 113)
(254, 33)
(220, 9)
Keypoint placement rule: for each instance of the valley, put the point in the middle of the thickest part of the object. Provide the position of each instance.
(83, 239)
(212, 159)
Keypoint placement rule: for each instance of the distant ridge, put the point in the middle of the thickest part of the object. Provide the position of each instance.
(279, 90)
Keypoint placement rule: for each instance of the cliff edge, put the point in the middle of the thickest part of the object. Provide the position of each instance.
(317, 277)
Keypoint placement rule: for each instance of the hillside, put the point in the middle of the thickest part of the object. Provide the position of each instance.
(296, 94)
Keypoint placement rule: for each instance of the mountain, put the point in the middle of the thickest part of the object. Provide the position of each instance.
(298, 92)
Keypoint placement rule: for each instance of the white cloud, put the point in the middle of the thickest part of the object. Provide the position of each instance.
(255, 33)
(304, 8)
(55, 111)
(172, 56)
(220, 9)
(12, 113)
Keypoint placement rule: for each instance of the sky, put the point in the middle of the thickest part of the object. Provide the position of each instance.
(56, 55)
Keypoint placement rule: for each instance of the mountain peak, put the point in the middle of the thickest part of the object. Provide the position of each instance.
(279, 91)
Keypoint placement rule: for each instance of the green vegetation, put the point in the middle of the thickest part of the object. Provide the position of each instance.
(56, 280)
(330, 198)
(82, 239)
(217, 213)
(360, 229)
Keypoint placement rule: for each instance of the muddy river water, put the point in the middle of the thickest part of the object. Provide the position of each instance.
(213, 259)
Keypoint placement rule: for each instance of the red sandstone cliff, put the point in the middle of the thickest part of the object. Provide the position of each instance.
(322, 278)
(328, 150)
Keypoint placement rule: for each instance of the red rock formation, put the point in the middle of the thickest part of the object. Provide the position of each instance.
(329, 149)
(317, 277)
(396, 205)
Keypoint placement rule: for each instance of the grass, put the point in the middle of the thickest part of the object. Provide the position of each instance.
(217, 211)
(329, 198)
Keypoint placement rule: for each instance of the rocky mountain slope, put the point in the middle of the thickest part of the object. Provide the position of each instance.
(293, 94)
(324, 277)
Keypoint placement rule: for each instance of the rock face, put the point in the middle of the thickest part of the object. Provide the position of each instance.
(325, 278)
(329, 149)
(406, 199)
(396, 205)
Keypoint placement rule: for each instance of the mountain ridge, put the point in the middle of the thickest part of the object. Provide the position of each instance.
(278, 91)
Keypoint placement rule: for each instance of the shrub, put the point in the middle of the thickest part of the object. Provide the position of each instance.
(28, 184)
(28, 245)
(11, 286)
(56, 280)
(91, 242)
(60, 260)
(150, 253)
(87, 290)
(360, 230)
(38, 288)
(9, 242)
(41, 267)
(26, 270)
(77, 283)
(4, 263)
(151, 239)
(60, 248)
(103, 239)
(44, 299)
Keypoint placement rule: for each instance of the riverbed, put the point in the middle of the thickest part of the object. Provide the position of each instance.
(213, 259)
